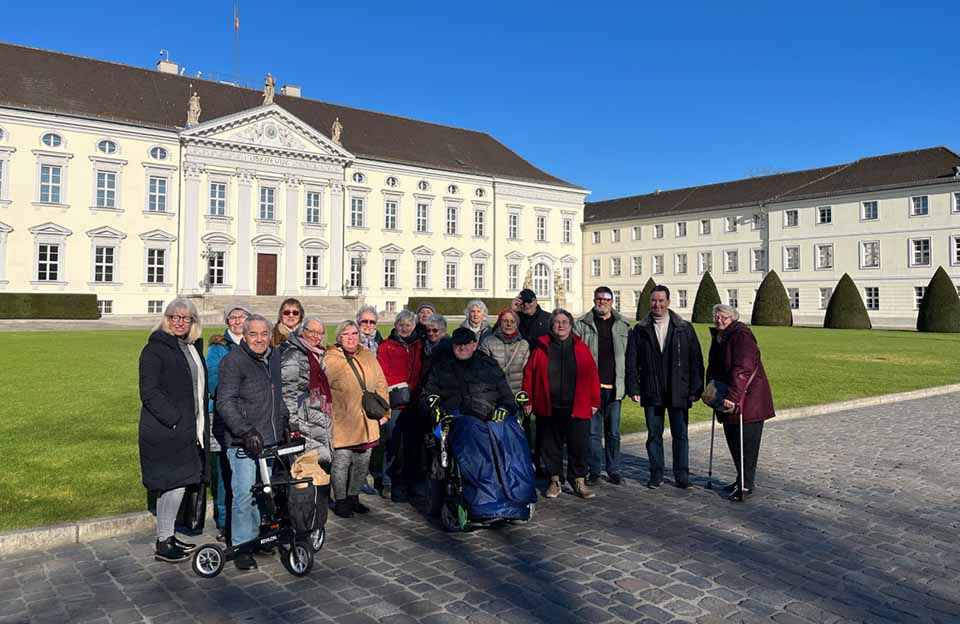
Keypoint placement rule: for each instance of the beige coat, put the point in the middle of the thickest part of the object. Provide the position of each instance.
(351, 427)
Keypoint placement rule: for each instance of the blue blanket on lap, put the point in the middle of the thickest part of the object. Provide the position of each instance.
(495, 468)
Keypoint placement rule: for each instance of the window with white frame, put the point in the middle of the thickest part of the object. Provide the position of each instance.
(513, 227)
(480, 223)
(731, 261)
(159, 153)
(636, 265)
(704, 261)
(105, 306)
(870, 210)
(732, 297)
(453, 219)
(955, 250)
(658, 230)
(313, 207)
(104, 263)
(513, 277)
(389, 272)
(421, 271)
(919, 206)
(869, 254)
(756, 222)
(824, 215)
(156, 194)
(422, 217)
(791, 218)
(217, 268)
(615, 235)
(541, 280)
(479, 276)
(567, 278)
(106, 189)
(682, 298)
(450, 275)
(542, 229)
(871, 296)
(658, 265)
(919, 252)
(636, 232)
(730, 224)
(825, 294)
(793, 294)
(154, 306)
(595, 267)
(358, 212)
(390, 307)
(107, 146)
(636, 297)
(681, 229)
(390, 209)
(616, 299)
(52, 139)
(48, 262)
(156, 265)
(51, 184)
(791, 258)
(758, 259)
(567, 231)
(595, 237)
(824, 256)
(680, 263)
(706, 226)
(311, 272)
(918, 294)
(614, 267)
(218, 199)
(956, 202)
(355, 278)
(268, 203)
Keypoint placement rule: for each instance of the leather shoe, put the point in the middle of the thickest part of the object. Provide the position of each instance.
(615, 479)
(593, 479)
(343, 508)
(731, 487)
(357, 506)
(682, 484)
(184, 546)
(735, 496)
(653, 484)
(245, 561)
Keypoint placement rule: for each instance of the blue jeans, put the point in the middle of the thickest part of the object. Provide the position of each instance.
(245, 515)
(605, 435)
(678, 432)
(390, 439)
(220, 467)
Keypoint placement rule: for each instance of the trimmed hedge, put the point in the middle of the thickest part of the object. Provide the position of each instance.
(940, 307)
(772, 305)
(454, 306)
(643, 304)
(846, 309)
(707, 297)
(48, 306)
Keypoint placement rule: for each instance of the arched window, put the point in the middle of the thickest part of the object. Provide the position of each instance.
(52, 139)
(158, 153)
(541, 281)
(107, 147)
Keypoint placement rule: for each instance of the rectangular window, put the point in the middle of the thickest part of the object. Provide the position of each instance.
(732, 299)
(682, 298)
(872, 297)
(870, 210)
(453, 218)
(614, 267)
(105, 306)
(390, 307)
(542, 229)
(706, 227)
(730, 224)
(450, 274)
(869, 254)
(103, 264)
(704, 261)
(680, 263)
(157, 194)
(636, 232)
(513, 228)
(918, 294)
(616, 299)
(731, 262)
(919, 206)
(793, 294)
(791, 258)
(955, 250)
(479, 223)
(513, 277)
(567, 231)
(595, 267)
(423, 211)
(825, 294)
(956, 202)
(791, 218)
(919, 252)
(106, 189)
(658, 265)
(313, 207)
(390, 214)
(358, 216)
(50, 183)
(567, 279)
(681, 229)
(356, 272)
(312, 271)
(636, 297)
(1, 178)
(390, 273)
(48, 263)
(636, 265)
(217, 268)
(156, 266)
(268, 196)
(594, 237)
(824, 256)
(824, 215)
(758, 259)
(479, 276)
(218, 199)
(154, 306)
(756, 222)
(615, 235)
(421, 274)
(658, 231)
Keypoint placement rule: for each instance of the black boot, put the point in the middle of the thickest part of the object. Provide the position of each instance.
(357, 506)
(343, 508)
(184, 546)
(167, 550)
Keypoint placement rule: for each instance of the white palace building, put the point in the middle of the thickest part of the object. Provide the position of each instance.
(139, 185)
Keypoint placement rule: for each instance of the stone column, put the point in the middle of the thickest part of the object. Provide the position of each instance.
(336, 239)
(190, 252)
(292, 228)
(244, 192)
(4, 230)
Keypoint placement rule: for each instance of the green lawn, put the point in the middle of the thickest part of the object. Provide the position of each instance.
(68, 419)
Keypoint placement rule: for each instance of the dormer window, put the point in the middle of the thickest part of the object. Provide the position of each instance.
(158, 153)
(52, 139)
(107, 146)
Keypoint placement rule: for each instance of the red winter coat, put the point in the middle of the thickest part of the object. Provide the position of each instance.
(732, 360)
(536, 379)
(401, 363)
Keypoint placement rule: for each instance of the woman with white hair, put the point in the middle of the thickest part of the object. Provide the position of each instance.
(174, 430)
(369, 334)
(306, 389)
(475, 319)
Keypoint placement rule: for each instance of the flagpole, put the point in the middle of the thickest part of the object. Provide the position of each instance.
(236, 41)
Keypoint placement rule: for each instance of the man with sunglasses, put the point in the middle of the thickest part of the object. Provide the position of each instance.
(534, 320)
(606, 333)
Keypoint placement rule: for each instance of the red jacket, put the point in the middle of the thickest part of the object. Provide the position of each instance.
(401, 363)
(536, 379)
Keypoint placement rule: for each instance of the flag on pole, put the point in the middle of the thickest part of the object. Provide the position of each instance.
(236, 16)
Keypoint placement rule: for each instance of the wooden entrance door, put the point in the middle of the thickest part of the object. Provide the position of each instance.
(267, 274)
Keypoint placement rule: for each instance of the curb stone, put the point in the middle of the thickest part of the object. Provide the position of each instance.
(40, 538)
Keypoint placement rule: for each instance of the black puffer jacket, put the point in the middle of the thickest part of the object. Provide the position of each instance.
(169, 455)
(476, 386)
(249, 395)
(646, 373)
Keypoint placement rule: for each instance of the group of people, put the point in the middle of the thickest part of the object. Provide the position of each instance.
(262, 383)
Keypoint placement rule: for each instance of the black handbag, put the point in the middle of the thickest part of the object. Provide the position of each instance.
(307, 506)
(399, 396)
(372, 403)
(193, 510)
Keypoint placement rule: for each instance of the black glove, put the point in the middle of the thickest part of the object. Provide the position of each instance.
(252, 442)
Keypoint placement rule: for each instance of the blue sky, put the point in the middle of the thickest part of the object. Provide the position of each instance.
(620, 98)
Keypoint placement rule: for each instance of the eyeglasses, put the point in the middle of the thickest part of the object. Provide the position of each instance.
(603, 299)
(176, 318)
(526, 301)
(433, 331)
(368, 322)
(291, 312)
(237, 319)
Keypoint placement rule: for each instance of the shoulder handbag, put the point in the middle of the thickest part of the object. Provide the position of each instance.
(372, 403)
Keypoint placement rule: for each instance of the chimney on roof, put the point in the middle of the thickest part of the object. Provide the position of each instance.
(165, 65)
(291, 90)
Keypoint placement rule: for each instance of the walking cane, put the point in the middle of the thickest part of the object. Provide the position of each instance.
(713, 427)
(742, 470)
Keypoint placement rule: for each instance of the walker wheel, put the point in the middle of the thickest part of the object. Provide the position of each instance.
(317, 539)
(298, 559)
(450, 520)
(208, 561)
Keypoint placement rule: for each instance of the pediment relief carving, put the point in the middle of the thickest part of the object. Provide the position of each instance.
(158, 236)
(50, 229)
(106, 232)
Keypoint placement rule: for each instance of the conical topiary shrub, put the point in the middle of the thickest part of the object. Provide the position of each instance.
(643, 304)
(707, 297)
(772, 305)
(846, 309)
(940, 307)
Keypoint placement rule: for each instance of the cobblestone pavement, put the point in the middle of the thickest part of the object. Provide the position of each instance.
(855, 519)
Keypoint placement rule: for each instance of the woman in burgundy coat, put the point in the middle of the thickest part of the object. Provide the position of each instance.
(735, 361)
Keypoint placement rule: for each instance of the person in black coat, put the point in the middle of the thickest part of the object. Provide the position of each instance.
(174, 426)
(664, 373)
(534, 320)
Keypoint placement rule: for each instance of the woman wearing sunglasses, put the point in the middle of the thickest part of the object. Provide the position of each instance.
(289, 319)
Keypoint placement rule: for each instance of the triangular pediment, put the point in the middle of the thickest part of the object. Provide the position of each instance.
(358, 247)
(452, 252)
(49, 229)
(480, 254)
(4, 228)
(158, 236)
(106, 232)
(568, 259)
(515, 255)
(390, 248)
(270, 128)
(422, 250)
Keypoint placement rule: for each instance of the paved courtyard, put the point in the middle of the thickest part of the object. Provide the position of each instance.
(856, 519)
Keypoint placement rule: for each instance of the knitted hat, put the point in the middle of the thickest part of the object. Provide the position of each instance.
(237, 306)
